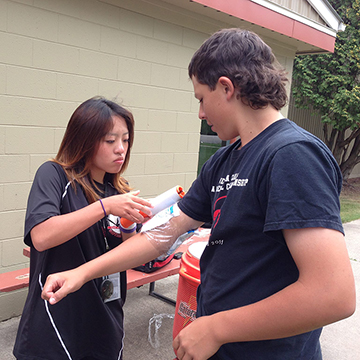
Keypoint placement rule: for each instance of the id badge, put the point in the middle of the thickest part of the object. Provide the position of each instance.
(110, 287)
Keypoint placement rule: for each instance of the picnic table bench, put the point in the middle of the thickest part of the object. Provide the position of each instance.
(14, 280)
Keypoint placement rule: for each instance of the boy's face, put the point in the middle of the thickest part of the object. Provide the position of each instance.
(213, 106)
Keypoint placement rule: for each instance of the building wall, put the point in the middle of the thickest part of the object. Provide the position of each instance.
(56, 54)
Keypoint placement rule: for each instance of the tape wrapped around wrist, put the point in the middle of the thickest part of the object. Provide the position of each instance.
(129, 229)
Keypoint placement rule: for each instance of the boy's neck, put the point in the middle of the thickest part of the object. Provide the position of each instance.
(253, 122)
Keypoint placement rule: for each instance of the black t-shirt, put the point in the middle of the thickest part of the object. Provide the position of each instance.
(81, 324)
(285, 178)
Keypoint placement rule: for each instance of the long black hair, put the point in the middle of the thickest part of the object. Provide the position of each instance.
(88, 125)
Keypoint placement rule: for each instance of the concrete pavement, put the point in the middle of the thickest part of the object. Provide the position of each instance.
(340, 341)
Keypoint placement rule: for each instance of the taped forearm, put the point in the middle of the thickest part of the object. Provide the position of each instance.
(162, 237)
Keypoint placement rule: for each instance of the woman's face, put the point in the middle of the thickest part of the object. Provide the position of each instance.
(112, 150)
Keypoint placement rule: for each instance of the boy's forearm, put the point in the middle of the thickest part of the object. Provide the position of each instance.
(133, 252)
(123, 257)
(291, 311)
(139, 249)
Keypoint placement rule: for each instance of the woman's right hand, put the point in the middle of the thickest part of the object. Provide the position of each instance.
(128, 206)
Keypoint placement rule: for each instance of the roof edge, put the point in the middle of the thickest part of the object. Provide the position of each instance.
(328, 14)
(333, 22)
(278, 19)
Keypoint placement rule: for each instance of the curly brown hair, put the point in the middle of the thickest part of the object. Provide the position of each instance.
(247, 61)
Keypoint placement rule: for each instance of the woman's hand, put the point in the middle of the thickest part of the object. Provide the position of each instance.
(59, 285)
(58, 229)
(128, 206)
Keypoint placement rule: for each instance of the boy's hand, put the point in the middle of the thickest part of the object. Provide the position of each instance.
(197, 341)
(59, 285)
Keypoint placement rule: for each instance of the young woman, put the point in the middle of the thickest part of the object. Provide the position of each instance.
(73, 216)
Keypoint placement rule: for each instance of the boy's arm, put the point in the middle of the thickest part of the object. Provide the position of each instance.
(324, 293)
(135, 251)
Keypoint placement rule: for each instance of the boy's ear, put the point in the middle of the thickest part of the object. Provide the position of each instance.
(227, 85)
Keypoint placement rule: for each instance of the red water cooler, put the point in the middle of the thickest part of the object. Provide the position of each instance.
(189, 280)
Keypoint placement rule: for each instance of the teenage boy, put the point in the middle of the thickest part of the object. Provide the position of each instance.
(276, 268)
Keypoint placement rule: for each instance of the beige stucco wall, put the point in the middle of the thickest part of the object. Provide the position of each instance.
(56, 54)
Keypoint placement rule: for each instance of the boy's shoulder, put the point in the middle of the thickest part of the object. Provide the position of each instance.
(285, 132)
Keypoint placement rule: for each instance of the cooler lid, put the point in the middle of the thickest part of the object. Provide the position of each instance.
(197, 249)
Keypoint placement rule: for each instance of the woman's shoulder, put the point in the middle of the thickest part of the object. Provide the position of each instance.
(49, 164)
(49, 170)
